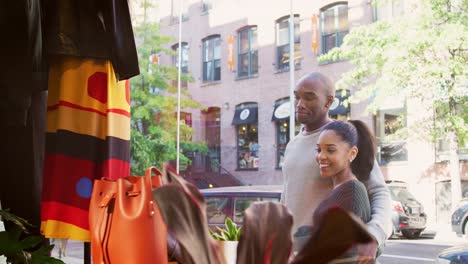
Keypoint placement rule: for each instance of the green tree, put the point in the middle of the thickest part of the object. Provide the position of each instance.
(154, 103)
(421, 56)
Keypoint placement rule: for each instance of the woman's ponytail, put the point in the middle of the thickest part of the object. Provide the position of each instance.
(364, 161)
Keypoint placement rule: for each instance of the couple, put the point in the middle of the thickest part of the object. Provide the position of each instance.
(331, 163)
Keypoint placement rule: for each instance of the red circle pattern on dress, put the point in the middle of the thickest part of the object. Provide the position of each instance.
(97, 86)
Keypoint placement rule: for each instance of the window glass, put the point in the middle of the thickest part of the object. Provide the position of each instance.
(329, 21)
(248, 146)
(254, 62)
(247, 59)
(244, 41)
(206, 5)
(343, 18)
(211, 59)
(282, 131)
(217, 48)
(184, 55)
(391, 135)
(282, 42)
(283, 139)
(334, 26)
(400, 193)
(253, 38)
(242, 203)
(216, 208)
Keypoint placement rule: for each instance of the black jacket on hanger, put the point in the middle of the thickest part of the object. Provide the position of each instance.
(94, 29)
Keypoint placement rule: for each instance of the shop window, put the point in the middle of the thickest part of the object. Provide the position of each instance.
(184, 59)
(281, 118)
(246, 122)
(391, 135)
(282, 130)
(282, 43)
(247, 139)
(340, 108)
(212, 59)
(334, 25)
(247, 59)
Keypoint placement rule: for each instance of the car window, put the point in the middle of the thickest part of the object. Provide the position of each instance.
(216, 208)
(242, 203)
(401, 193)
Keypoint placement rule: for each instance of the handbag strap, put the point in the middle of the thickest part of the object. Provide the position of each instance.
(154, 182)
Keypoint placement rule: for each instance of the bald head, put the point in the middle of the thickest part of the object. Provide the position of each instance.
(323, 82)
(314, 94)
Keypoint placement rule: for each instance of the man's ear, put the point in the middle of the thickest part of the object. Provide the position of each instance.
(330, 99)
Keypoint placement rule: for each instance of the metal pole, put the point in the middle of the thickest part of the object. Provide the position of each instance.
(292, 115)
(178, 85)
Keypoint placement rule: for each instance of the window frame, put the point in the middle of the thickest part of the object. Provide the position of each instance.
(280, 66)
(249, 52)
(215, 61)
(339, 35)
(239, 153)
(175, 58)
(381, 135)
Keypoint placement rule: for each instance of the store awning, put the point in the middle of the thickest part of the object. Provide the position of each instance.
(338, 107)
(281, 111)
(247, 115)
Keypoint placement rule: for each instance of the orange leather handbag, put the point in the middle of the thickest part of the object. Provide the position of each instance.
(125, 222)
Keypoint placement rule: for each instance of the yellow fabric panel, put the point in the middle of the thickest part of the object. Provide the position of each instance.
(57, 229)
(68, 81)
(88, 123)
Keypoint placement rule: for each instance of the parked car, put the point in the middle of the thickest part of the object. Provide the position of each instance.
(232, 201)
(453, 255)
(408, 215)
(460, 218)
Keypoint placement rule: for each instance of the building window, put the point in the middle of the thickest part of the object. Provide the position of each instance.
(391, 133)
(184, 65)
(247, 139)
(282, 43)
(206, 6)
(247, 62)
(387, 10)
(334, 25)
(246, 122)
(212, 59)
(281, 118)
(175, 9)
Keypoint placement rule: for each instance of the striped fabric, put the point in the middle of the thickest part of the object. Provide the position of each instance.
(88, 137)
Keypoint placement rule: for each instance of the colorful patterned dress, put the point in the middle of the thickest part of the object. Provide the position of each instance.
(88, 137)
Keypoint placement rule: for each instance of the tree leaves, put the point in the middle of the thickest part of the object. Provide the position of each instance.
(154, 103)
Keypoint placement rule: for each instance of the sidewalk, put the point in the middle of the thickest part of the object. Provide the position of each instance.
(444, 234)
(74, 252)
(440, 234)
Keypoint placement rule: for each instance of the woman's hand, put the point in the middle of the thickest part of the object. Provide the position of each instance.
(367, 252)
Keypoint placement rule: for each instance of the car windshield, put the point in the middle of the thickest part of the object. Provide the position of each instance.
(401, 193)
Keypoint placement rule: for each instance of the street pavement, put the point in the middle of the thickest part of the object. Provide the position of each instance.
(424, 250)
(398, 249)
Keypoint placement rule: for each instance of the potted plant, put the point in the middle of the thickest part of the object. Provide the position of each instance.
(20, 245)
(228, 239)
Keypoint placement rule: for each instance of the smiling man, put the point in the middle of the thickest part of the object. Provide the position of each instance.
(304, 189)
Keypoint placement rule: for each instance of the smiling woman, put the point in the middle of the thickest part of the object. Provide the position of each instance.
(340, 145)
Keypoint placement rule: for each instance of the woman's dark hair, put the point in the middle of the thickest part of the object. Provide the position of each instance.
(356, 133)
